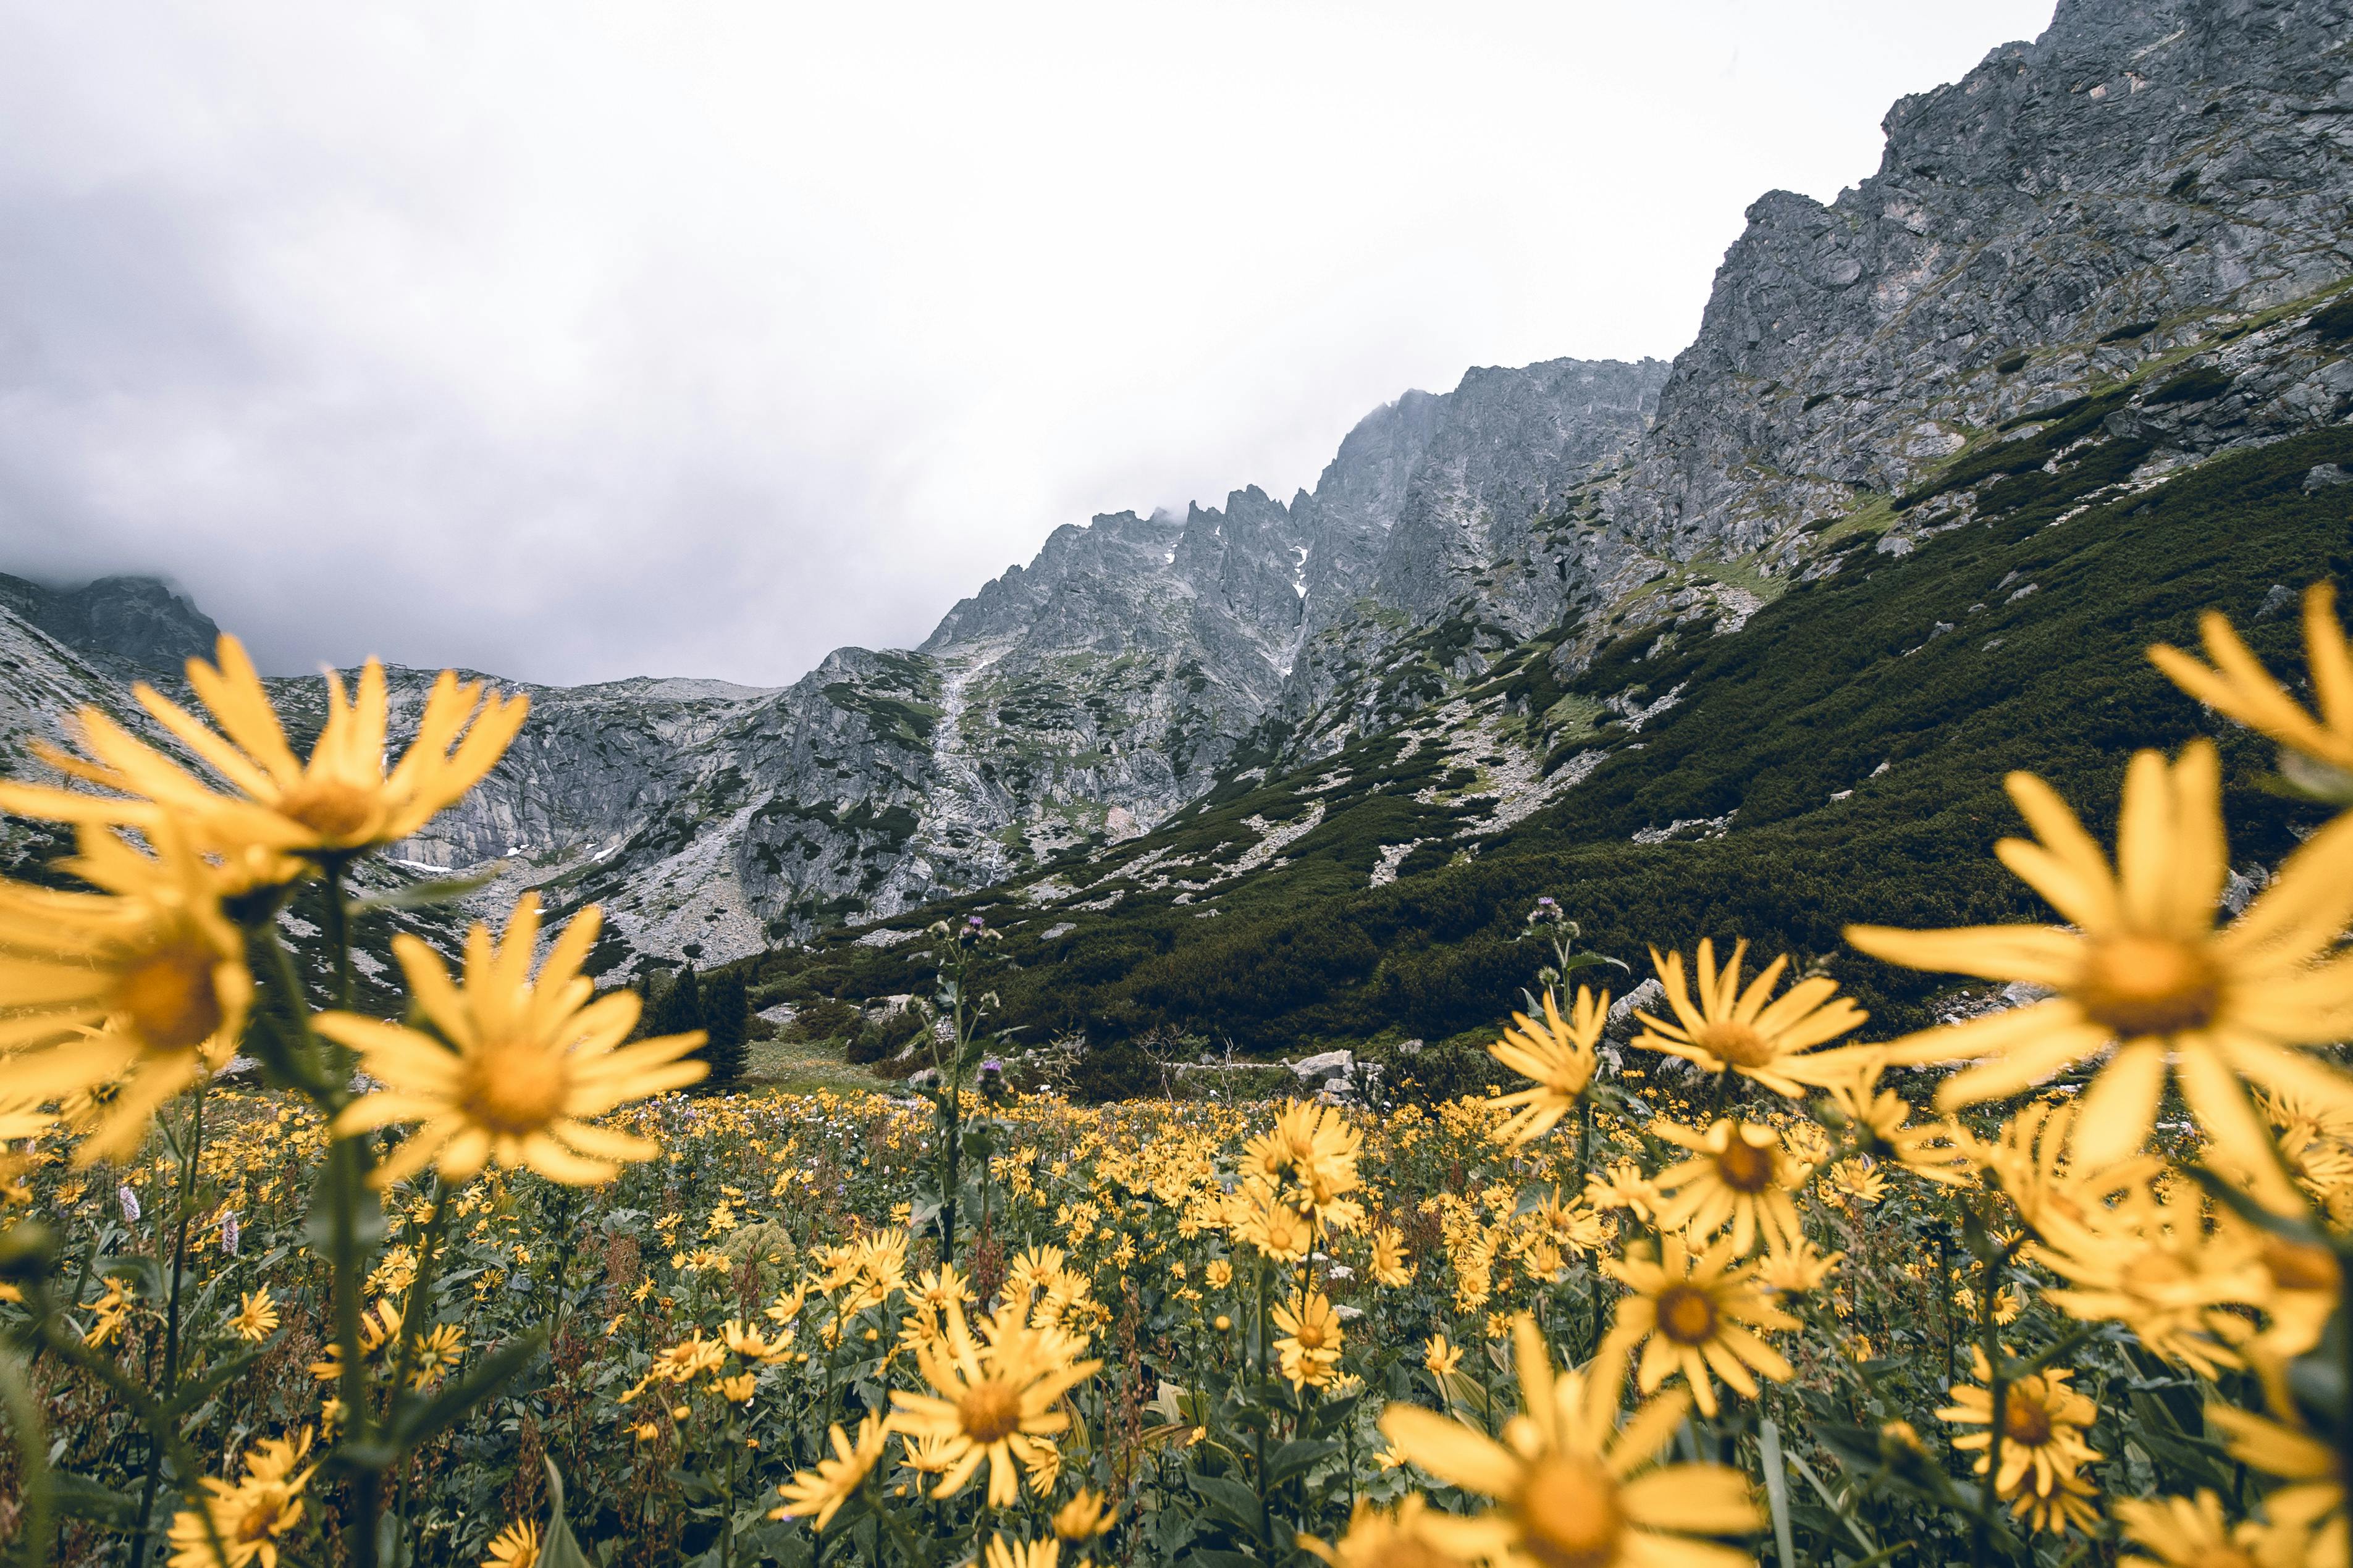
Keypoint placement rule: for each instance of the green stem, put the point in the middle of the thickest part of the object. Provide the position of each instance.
(184, 1202)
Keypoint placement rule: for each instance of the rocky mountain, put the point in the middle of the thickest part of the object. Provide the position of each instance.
(2099, 260)
(141, 621)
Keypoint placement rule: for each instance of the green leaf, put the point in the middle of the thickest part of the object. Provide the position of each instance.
(1296, 1457)
(1232, 1501)
(559, 1549)
(419, 1423)
(78, 1497)
(212, 1382)
(1776, 1490)
(423, 895)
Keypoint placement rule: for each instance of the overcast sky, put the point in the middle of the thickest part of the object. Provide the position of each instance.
(573, 342)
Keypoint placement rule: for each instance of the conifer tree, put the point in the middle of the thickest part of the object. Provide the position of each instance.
(725, 1011)
(678, 1006)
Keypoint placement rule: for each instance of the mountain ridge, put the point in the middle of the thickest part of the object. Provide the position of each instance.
(2098, 259)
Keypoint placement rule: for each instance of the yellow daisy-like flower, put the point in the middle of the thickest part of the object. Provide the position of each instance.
(1729, 1028)
(1379, 1538)
(251, 1516)
(1798, 1270)
(1740, 1177)
(2313, 1498)
(341, 801)
(1258, 1216)
(991, 1401)
(2146, 976)
(2237, 684)
(1440, 1357)
(2042, 1427)
(1084, 1517)
(1391, 1265)
(525, 1065)
(1310, 1347)
(1624, 1187)
(1559, 1057)
(1003, 1553)
(1857, 1180)
(1572, 1487)
(835, 1480)
(2159, 1263)
(257, 1317)
(142, 987)
(1941, 1152)
(516, 1546)
(2192, 1533)
(1696, 1314)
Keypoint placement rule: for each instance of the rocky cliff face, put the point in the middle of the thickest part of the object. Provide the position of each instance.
(2115, 238)
(141, 621)
(2137, 179)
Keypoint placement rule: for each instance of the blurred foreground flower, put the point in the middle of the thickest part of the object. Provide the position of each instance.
(2318, 750)
(144, 982)
(340, 802)
(2146, 973)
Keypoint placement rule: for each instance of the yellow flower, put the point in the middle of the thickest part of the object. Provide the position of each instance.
(516, 1546)
(991, 1401)
(1797, 1270)
(257, 1319)
(1390, 1265)
(1377, 1538)
(340, 802)
(1568, 1481)
(2186, 1533)
(1941, 1152)
(1440, 1357)
(2157, 1263)
(1740, 1177)
(2041, 1428)
(1625, 1187)
(2237, 685)
(835, 1480)
(736, 1390)
(1557, 1056)
(688, 1359)
(1730, 1028)
(1084, 1517)
(2053, 1192)
(144, 982)
(1259, 1216)
(1219, 1273)
(1307, 1160)
(2146, 976)
(1692, 1314)
(251, 1515)
(1856, 1181)
(1003, 1553)
(1310, 1347)
(2314, 1499)
(524, 1068)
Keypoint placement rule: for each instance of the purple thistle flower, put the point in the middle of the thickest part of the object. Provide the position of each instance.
(228, 1233)
(130, 1202)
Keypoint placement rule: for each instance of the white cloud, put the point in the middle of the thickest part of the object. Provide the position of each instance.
(575, 341)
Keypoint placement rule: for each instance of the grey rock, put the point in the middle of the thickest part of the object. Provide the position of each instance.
(2280, 599)
(2324, 475)
(143, 621)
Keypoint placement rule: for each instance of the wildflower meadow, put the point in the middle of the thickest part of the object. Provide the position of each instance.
(491, 1283)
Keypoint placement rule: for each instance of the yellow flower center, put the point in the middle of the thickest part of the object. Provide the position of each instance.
(2141, 986)
(262, 1515)
(1568, 1513)
(1686, 1314)
(2025, 1419)
(1310, 1335)
(1734, 1042)
(169, 998)
(989, 1412)
(517, 1087)
(332, 808)
(1742, 1166)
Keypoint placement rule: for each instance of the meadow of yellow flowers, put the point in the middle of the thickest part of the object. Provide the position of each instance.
(482, 1285)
